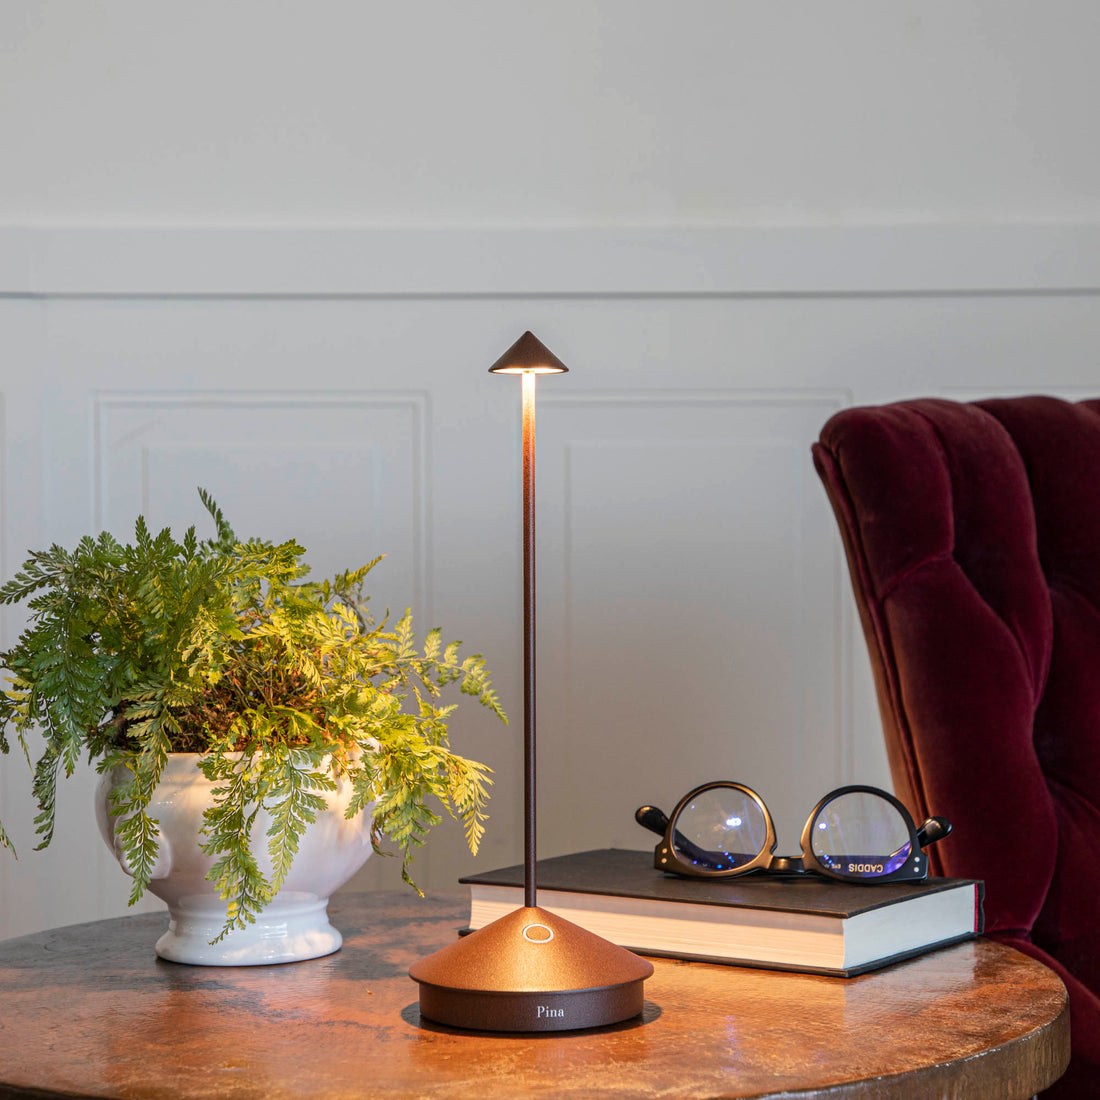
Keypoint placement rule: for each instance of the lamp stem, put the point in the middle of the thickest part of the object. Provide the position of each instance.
(529, 885)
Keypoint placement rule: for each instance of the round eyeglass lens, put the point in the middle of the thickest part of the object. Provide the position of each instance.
(860, 835)
(722, 828)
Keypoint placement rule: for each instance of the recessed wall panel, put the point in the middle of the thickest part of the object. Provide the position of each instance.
(688, 604)
(344, 475)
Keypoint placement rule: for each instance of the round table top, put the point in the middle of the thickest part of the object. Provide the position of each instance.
(89, 1011)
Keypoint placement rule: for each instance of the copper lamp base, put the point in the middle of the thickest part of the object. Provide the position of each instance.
(531, 971)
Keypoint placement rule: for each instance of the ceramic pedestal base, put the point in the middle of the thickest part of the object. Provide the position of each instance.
(294, 926)
(290, 932)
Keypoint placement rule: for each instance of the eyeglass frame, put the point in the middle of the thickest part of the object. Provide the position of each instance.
(915, 868)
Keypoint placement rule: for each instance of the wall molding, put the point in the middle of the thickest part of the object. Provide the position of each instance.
(45, 261)
(837, 398)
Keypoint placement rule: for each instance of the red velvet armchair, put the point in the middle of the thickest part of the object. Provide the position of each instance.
(973, 538)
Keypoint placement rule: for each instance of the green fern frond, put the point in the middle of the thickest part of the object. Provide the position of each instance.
(227, 825)
(225, 648)
(225, 532)
(294, 781)
(45, 795)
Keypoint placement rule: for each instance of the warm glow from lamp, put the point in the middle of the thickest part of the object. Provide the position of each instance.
(545, 369)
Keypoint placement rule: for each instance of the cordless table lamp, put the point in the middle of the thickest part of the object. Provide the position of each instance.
(530, 970)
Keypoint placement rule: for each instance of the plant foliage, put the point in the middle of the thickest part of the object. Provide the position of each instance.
(220, 647)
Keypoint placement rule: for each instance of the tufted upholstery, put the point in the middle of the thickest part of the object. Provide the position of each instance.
(973, 538)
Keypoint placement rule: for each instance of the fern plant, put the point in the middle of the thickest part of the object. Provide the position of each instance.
(283, 685)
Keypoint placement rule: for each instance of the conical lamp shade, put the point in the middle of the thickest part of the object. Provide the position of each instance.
(531, 970)
(528, 355)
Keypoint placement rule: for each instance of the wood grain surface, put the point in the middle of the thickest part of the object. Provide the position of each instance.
(89, 1011)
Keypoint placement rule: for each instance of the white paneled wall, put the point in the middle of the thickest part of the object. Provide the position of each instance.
(695, 618)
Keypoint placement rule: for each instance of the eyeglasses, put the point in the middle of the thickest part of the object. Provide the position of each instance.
(855, 834)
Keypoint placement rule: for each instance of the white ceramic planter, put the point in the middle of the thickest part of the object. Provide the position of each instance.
(294, 926)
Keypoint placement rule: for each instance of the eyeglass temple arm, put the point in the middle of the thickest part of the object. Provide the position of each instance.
(656, 821)
(934, 828)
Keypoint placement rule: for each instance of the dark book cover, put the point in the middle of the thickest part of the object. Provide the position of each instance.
(628, 874)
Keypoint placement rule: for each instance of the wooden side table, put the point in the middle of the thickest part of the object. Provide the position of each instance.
(89, 1011)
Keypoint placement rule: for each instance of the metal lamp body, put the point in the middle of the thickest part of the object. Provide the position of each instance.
(530, 970)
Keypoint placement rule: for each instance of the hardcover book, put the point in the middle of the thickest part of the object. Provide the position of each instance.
(783, 923)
